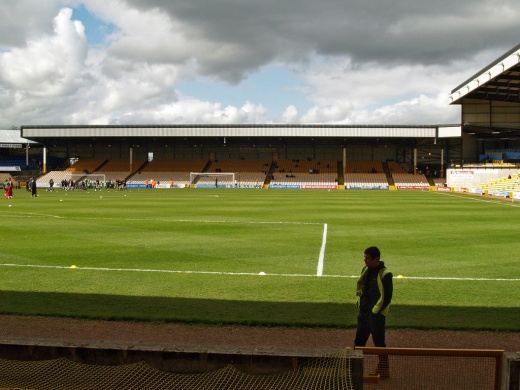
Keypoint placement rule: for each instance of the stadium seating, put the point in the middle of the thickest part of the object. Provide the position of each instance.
(366, 180)
(439, 181)
(365, 175)
(502, 184)
(53, 163)
(175, 166)
(18, 161)
(248, 173)
(305, 172)
(85, 166)
(410, 180)
(120, 165)
(361, 166)
(395, 167)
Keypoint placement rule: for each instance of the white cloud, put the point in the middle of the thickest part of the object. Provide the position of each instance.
(365, 64)
(290, 115)
(50, 65)
(183, 112)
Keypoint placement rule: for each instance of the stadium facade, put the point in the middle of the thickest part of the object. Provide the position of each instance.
(249, 141)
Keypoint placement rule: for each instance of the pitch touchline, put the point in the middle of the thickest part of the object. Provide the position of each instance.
(179, 220)
(476, 199)
(250, 222)
(240, 273)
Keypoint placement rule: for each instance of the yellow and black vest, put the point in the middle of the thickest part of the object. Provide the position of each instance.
(359, 290)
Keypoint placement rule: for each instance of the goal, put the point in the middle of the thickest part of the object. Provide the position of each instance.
(212, 179)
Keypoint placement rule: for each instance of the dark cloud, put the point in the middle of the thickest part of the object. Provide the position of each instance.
(370, 30)
(23, 19)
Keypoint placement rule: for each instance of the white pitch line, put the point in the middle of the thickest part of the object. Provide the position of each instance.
(463, 279)
(242, 273)
(149, 270)
(249, 222)
(181, 220)
(476, 199)
(322, 251)
(39, 215)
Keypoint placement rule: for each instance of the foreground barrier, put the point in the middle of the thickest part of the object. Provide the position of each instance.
(70, 367)
(55, 365)
(443, 369)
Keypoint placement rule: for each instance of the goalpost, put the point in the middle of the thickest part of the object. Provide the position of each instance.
(213, 179)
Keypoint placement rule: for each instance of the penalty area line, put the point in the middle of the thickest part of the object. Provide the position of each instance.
(322, 251)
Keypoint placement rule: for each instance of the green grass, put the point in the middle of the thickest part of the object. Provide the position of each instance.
(194, 255)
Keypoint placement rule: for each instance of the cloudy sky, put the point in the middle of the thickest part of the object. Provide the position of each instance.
(244, 61)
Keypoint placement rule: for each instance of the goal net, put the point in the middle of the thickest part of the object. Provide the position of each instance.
(212, 179)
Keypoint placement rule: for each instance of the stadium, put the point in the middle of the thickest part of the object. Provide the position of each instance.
(212, 225)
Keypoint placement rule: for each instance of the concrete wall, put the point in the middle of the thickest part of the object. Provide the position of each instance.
(469, 177)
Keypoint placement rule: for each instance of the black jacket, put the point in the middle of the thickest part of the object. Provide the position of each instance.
(371, 294)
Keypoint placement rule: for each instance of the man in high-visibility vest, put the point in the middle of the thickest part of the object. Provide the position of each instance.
(374, 294)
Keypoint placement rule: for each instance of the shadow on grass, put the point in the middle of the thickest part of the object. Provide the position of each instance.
(214, 311)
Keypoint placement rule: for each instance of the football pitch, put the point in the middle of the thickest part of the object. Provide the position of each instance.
(260, 257)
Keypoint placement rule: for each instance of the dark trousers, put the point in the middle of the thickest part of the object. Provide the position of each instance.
(373, 324)
(370, 324)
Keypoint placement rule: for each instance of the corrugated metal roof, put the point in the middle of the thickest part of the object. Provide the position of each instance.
(364, 131)
(499, 81)
(13, 137)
